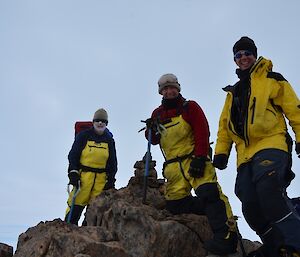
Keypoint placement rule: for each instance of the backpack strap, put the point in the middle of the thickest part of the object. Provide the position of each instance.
(183, 108)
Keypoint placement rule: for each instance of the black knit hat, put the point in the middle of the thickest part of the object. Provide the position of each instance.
(245, 43)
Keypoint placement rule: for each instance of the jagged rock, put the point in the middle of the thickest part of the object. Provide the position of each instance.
(119, 224)
(140, 165)
(6, 250)
(57, 238)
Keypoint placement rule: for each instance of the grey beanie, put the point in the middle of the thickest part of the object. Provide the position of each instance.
(101, 114)
(168, 79)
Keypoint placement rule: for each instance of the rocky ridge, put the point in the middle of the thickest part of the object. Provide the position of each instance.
(120, 225)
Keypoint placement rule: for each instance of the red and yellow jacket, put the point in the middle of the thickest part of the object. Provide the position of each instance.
(191, 113)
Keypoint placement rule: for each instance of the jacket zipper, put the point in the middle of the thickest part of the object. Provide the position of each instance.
(246, 118)
(246, 137)
(253, 110)
(230, 123)
(249, 94)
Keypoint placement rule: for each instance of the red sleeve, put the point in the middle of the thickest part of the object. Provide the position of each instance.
(196, 118)
(155, 138)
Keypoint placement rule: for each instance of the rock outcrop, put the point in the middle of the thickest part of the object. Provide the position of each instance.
(120, 225)
(6, 250)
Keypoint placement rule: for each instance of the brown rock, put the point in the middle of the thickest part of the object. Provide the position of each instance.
(141, 165)
(57, 238)
(141, 173)
(6, 250)
(119, 224)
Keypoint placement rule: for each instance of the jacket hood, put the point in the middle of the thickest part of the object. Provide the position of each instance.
(261, 66)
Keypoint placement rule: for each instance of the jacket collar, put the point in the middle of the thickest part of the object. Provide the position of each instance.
(172, 103)
(259, 67)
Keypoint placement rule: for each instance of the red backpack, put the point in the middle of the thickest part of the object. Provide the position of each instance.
(82, 125)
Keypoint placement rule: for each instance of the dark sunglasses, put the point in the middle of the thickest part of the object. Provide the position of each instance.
(239, 54)
(98, 120)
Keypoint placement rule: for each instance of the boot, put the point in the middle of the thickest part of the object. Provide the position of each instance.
(77, 210)
(256, 254)
(288, 251)
(222, 245)
(272, 240)
(260, 252)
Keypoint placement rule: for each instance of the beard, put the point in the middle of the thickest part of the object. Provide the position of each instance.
(99, 130)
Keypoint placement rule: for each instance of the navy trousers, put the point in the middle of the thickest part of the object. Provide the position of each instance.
(261, 187)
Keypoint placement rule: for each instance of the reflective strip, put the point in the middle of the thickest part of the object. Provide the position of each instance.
(74, 171)
(283, 218)
(266, 232)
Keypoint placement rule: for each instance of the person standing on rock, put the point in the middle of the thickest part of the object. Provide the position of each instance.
(253, 118)
(92, 164)
(181, 129)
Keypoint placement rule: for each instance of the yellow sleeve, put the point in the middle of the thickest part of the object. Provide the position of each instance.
(290, 105)
(224, 141)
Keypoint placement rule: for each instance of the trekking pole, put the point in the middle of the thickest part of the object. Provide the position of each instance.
(240, 238)
(148, 157)
(73, 201)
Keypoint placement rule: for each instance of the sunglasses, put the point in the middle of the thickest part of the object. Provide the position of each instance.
(239, 54)
(98, 120)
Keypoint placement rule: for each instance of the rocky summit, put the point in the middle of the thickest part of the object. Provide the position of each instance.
(121, 224)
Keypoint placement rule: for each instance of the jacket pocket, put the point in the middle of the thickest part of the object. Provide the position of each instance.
(273, 112)
(262, 120)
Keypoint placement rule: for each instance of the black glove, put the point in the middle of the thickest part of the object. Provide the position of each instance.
(197, 166)
(109, 185)
(220, 161)
(152, 123)
(74, 178)
(297, 148)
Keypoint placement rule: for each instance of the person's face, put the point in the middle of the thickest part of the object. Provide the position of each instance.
(169, 92)
(99, 126)
(244, 59)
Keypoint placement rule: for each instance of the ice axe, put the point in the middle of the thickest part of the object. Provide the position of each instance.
(77, 189)
(151, 124)
(240, 238)
(148, 158)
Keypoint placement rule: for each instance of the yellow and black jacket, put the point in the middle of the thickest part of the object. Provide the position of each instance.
(269, 100)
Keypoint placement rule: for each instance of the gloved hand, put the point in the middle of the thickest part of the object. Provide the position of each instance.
(74, 178)
(152, 123)
(297, 148)
(197, 166)
(109, 185)
(220, 161)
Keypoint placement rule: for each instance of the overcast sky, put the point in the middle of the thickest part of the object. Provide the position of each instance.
(62, 60)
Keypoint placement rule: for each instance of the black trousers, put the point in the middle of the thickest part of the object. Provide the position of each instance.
(207, 202)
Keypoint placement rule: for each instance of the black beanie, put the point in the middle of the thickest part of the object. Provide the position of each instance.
(245, 43)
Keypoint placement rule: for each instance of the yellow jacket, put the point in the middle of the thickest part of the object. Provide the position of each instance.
(271, 99)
